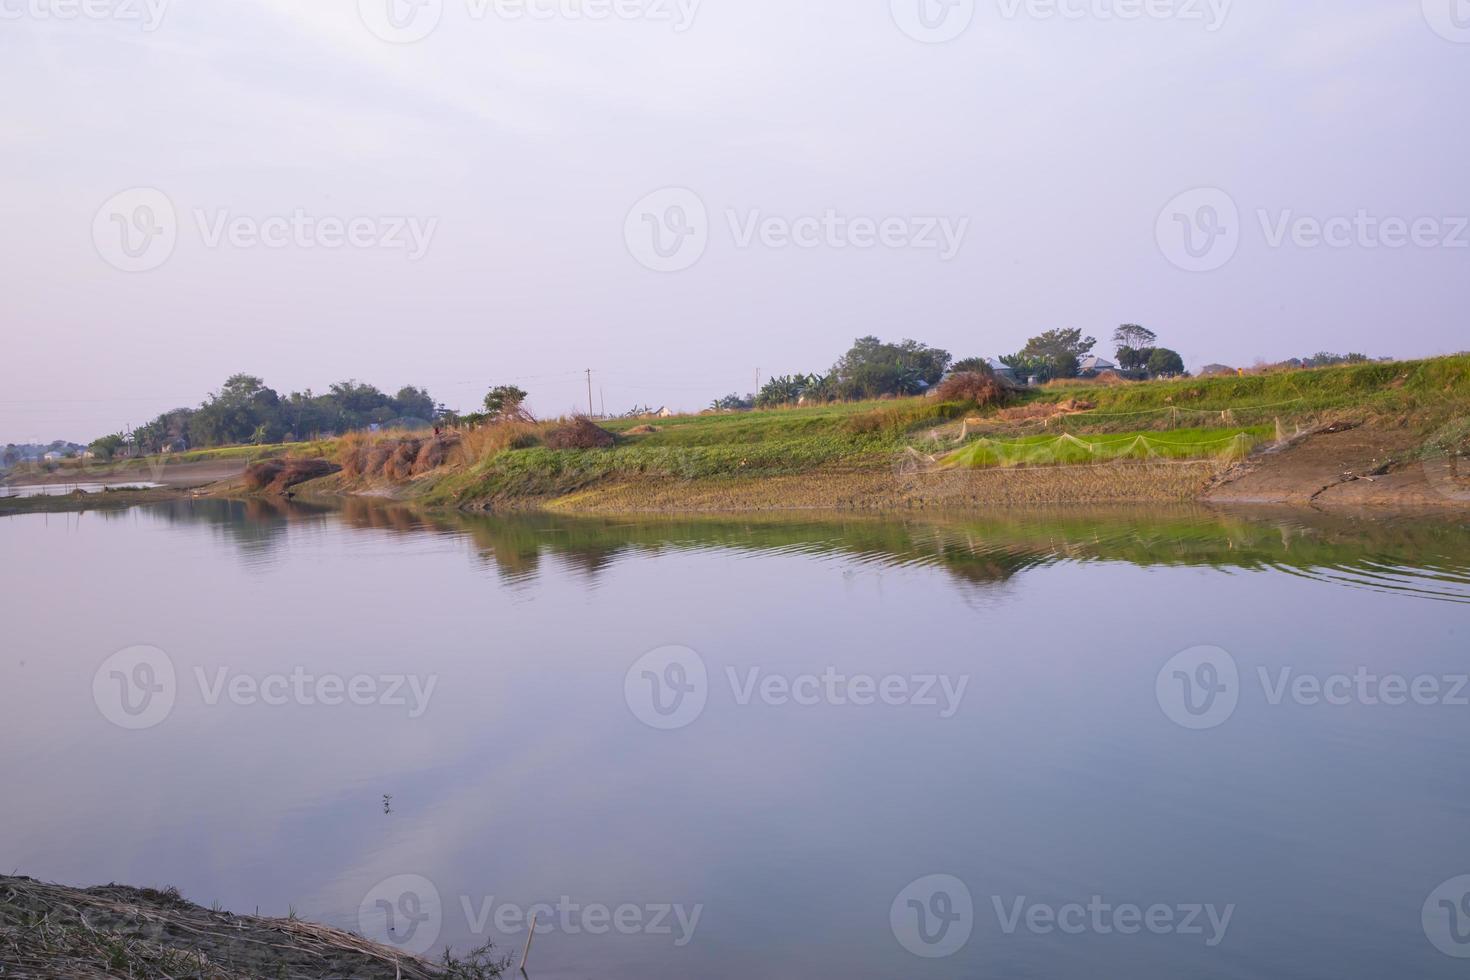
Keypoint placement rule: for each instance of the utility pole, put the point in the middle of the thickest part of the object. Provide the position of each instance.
(589, 392)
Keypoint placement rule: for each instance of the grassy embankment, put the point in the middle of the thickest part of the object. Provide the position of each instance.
(868, 447)
(1190, 419)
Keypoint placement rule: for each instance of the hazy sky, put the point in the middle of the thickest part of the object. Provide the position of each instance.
(465, 209)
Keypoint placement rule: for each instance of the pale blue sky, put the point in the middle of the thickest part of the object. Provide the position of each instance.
(524, 143)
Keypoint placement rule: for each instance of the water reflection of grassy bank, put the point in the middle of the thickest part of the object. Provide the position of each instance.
(982, 549)
(1423, 555)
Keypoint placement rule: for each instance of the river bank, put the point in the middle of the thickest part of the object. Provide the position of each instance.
(146, 934)
(1392, 436)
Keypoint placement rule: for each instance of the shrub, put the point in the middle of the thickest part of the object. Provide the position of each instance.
(278, 475)
(972, 386)
(580, 433)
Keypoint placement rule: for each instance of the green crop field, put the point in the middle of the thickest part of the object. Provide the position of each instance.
(1071, 450)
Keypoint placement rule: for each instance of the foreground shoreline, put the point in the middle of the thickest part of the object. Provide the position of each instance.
(1317, 481)
(118, 931)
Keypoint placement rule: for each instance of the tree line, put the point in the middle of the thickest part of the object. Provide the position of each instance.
(245, 411)
(873, 368)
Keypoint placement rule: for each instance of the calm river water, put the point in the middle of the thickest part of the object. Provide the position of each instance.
(1145, 745)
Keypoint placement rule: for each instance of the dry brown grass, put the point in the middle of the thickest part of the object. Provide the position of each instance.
(490, 440)
(580, 433)
(400, 456)
(1107, 379)
(115, 931)
(972, 386)
(1045, 410)
(278, 475)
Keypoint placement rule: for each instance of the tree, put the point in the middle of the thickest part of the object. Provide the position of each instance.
(971, 365)
(733, 403)
(787, 389)
(1135, 346)
(873, 368)
(504, 402)
(1135, 358)
(1025, 367)
(1135, 336)
(1165, 362)
(413, 403)
(107, 446)
(1054, 354)
(245, 410)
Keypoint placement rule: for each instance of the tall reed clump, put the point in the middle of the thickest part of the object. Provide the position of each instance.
(395, 456)
(488, 441)
(405, 456)
(278, 475)
(979, 389)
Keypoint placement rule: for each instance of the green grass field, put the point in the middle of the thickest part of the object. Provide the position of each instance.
(1429, 392)
(1212, 418)
(1191, 419)
(1071, 450)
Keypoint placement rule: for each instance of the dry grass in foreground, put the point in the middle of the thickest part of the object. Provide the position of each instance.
(116, 931)
(279, 475)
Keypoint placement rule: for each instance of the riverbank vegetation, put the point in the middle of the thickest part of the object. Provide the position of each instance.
(246, 411)
(972, 420)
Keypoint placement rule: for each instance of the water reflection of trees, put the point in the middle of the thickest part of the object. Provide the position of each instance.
(976, 550)
(254, 526)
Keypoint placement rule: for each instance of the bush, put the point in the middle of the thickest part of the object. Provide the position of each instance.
(278, 475)
(581, 433)
(971, 386)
